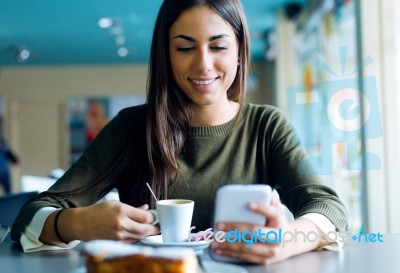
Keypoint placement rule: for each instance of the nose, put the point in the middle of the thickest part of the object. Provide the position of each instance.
(203, 61)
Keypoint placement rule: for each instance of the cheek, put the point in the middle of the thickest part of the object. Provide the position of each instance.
(175, 70)
(228, 62)
(229, 66)
(178, 66)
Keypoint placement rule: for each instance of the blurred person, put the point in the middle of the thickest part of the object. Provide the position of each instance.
(6, 157)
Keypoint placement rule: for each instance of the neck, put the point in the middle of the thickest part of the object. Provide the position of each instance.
(212, 115)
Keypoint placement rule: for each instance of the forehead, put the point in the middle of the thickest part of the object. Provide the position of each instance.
(200, 21)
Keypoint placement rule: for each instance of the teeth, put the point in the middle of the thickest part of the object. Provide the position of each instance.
(203, 82)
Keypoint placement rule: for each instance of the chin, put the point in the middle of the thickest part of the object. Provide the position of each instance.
(205, 100)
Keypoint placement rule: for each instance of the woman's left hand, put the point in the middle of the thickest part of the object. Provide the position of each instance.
(271, 250)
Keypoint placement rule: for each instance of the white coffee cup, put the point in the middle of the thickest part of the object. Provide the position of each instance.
(175, 218)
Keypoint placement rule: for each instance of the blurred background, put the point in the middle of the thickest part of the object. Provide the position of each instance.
(68, 66)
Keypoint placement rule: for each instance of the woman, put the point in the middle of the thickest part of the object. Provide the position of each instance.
(194, 135)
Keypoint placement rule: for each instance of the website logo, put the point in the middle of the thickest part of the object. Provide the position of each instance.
(282, 237)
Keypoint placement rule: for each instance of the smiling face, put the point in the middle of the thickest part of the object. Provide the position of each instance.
(204, 57)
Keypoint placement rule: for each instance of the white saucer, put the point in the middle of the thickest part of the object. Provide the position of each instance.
(209, 267)
(156, 241)
(216, 267)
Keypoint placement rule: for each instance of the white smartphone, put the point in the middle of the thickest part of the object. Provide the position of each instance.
(231, 205)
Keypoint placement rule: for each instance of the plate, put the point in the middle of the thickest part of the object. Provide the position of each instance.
(156, 241)
(216, 267)
(209, 267)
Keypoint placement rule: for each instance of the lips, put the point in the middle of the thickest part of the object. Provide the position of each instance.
(202, 81)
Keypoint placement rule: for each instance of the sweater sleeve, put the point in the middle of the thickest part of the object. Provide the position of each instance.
(87, 181)
(291, 174)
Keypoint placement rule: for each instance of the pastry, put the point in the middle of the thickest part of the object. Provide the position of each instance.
(105, 256)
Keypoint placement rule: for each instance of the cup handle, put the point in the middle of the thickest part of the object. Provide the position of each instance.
(154, 212)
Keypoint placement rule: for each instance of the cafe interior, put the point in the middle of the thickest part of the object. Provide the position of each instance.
(332, 67)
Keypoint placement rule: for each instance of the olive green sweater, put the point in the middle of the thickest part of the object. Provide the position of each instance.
(258, 147)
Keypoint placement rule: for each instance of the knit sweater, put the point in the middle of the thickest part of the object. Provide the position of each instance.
(259, 147)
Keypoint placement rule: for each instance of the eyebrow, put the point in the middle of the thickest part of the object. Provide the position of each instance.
(212, 38)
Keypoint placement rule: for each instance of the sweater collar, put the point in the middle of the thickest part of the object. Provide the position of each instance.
(223, 128)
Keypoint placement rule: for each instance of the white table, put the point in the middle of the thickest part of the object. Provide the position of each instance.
(354, 258)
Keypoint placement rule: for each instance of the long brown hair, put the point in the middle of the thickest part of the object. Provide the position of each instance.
(168, 115)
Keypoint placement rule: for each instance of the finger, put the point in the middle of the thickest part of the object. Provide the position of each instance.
(260, 249)
(135, 230)
(232, 226)
(139, 214)
(274, 212)
(248, 257)
(247, 232)
(129, 241)
(276, 201)
(144, 207)
(270, 210)
(243, 227)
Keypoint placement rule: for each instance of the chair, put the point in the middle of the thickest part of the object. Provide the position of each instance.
(10, 206)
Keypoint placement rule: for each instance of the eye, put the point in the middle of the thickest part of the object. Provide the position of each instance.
(219, 48)
(184, 49)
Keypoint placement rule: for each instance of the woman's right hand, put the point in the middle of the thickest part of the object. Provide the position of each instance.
(107, 220)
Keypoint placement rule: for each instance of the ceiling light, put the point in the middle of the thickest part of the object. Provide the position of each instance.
(119, 40)
(116, 30)
(105, 22)
(123, 52)
(108, 22)
(22, 54)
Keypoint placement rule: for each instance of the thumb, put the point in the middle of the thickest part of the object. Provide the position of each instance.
(144, 207)
(273, 212)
